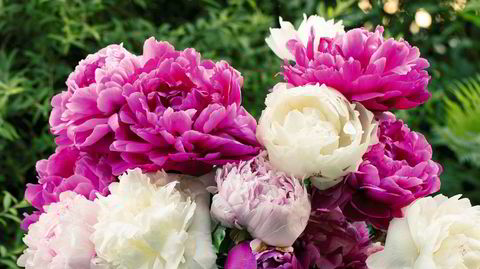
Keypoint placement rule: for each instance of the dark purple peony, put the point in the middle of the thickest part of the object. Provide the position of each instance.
(363, 66)
(394, 173)
(165, 109)
(262, 257)
(331, 242)
(67, 170)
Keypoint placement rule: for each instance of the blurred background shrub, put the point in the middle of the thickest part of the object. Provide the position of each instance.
(41, 41)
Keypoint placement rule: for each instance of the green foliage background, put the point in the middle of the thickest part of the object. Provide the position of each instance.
(41, 41)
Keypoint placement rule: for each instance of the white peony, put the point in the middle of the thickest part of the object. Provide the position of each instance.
(60, 238)
(279, 37)
(436, 233)
(153, 221)
(314, 131)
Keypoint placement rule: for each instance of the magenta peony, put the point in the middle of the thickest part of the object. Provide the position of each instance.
(331, 242)
(270, 205)
(394, 173)
(80, 114)
(241, 256)
(257, 255)
(363, 66)
(165, 109)
(67, 170)
(29, 219)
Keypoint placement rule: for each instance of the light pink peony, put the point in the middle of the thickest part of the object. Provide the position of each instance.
(270, 205)
(60, 238)
(381, 74)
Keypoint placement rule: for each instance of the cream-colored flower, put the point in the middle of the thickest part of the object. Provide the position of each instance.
(279, 37)
(60, 238)
(313, 131)
(436, 233)
(153, 221)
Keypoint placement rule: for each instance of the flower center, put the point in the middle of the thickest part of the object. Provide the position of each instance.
(309, 125)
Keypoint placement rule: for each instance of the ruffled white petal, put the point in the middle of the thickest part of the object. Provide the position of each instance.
(313, 131)
(152, 221)
(436, 233)
(277, 41)
(279, 37)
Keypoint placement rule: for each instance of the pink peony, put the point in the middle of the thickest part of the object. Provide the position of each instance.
(67, 170)
(76, 118)
(394, 173)
(60, 238)
(29, 219)
(363, 66)
(166, 109)
(270, 205)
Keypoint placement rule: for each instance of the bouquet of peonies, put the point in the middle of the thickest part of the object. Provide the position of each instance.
(158, 165)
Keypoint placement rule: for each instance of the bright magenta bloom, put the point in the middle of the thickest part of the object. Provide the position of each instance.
(67, 170)
(394, 173)
(80, 115)
(363, 66)
(243, 256)
(165, 109)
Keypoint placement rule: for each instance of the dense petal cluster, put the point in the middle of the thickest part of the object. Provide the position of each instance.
(60, 239)
(80, 115)
(318, 128)
(256, 255)
(363, 66)
(333, 162)
(331, 242)
(165, 109)
(270, 205)
(394, 173)
(436, 232)
(67, 170)
(152, 221)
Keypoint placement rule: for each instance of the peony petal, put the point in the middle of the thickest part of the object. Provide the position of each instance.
(402, 251)
(241, 256)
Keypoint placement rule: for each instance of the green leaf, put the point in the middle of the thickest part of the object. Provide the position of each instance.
(227, 242)
(11, 217)
(9, 263)
(7, 131)
(7, 201)
(473, 18)
(22, 204)
(218, 237)
(462, 130)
